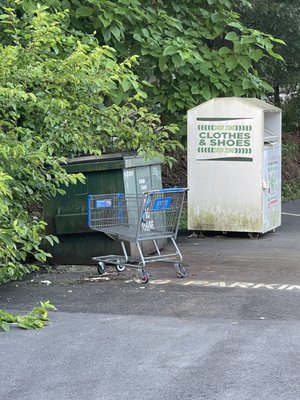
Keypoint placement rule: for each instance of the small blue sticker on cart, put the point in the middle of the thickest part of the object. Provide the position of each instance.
(163, 203)
(104, 203)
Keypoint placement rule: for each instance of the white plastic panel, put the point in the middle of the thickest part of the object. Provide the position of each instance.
(272, 187)
(226, 164)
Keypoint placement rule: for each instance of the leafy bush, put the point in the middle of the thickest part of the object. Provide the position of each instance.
(291, 114)
(61, 95)
(189, 51)
(291, 167)
(290, 191)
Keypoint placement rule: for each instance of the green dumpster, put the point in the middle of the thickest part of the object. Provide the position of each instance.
(67, 215)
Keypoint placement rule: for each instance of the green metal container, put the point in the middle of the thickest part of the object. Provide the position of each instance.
(67, 215)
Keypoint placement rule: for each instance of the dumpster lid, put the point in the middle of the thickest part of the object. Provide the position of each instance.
(107, 162)
(103, 157)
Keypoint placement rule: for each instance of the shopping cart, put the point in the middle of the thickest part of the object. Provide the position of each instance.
(154, 215)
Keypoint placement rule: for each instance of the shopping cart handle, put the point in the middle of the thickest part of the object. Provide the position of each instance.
(173, 190)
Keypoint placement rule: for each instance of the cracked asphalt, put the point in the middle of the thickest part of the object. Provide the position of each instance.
(230, 330)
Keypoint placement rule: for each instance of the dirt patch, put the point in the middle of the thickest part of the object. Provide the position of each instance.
(69, 275)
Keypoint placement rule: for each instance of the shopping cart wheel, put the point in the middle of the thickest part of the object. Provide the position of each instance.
(180, 270)
(101, 267)
(143, 276)
(120, 267)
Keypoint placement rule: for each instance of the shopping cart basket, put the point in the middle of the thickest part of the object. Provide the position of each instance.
(151, 216)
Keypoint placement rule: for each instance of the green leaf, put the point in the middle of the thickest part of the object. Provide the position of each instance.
(247, 84)
(232, 36)
(248, 40)
(10, 318)
(206, 93)
(275, 55)
(96, 22)
(170, 50)
(4, 326)
(84, 11)
(106, 34)
(257, 54)
(137, 37)
(48, 305)
(238, 91)
(162, 63)
(145, 32)
(224, 51)
(30, 322)
(41, 256)
(50, 240)
(126, 84)
(4, 17)
(116, 32)
(231, 63)
(177, 60)
(280, 41)
(245, 62)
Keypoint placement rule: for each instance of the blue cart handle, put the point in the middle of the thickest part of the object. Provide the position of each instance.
(173, 190)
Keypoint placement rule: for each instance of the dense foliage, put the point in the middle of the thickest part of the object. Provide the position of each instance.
(189, 52)
(280, 18)
(61, 95)
(291, 167)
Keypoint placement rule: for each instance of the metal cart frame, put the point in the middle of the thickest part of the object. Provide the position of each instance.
(154, 215)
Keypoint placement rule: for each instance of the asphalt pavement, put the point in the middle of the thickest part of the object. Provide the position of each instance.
(229, 330)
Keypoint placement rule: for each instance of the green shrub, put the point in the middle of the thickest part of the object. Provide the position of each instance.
(61, 95)
(290, 167)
